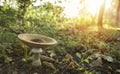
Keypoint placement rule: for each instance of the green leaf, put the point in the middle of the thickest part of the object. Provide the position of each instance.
(80, 69)
(86, 60)
(78, 55)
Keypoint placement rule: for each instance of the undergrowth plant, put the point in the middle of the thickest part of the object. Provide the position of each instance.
(7, 41)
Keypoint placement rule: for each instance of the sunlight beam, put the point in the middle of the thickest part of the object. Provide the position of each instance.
(71, 8)
(94, 5)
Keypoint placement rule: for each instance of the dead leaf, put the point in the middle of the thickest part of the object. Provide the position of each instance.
(52, 53)
(118, 70)
(45, 58)
(67, 58)
(71, 65)
(50, 65)
(8, 59)
(108, 58)
(109, 68)
(97, 63)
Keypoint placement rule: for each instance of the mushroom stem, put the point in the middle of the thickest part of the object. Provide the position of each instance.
(36, 60)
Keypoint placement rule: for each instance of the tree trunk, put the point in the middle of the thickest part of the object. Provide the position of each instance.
(100, 17)
(118, 13)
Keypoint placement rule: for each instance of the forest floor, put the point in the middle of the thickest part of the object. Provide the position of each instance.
(69, 61)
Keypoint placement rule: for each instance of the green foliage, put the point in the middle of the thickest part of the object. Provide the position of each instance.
(115, 54)
(7, 16)
(7, 41)
(8, 37)
(47, 14)
(5, 49)
(22, 6)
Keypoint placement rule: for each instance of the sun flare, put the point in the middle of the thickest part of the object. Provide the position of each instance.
(94, 5)
(72, 8)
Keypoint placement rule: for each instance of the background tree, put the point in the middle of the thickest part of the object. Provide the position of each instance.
(101, 13)
(118, 13)
(22, 7)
